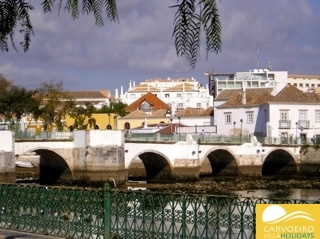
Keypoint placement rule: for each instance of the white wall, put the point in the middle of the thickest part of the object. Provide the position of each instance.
(7, 143)
(293, 111)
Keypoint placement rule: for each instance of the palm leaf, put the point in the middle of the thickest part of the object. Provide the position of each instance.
(190, 18)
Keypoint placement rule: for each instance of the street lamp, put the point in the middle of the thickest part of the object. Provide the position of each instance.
(115, 121)
(179, 118)
(109, 125)
(297, 132)
(234, 128)
(241, 121)
(303, 140)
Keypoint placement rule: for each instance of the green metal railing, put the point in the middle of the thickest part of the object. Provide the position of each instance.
(44, 135)
(172, 138)
(114, 214)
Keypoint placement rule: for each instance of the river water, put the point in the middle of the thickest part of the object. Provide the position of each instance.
(306, 189)
(298, 194)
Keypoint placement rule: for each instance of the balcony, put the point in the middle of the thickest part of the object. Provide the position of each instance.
(284, 124)
(303, 124)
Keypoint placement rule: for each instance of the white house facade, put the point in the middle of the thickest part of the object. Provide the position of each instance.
(289, 115)
(257, 78)
(177, 93)
(306, 83)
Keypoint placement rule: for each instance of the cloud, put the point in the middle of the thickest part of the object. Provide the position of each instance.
(140, 46)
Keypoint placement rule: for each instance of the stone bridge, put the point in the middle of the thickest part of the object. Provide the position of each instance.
(104, 155)
(190, 159)
(95, 156)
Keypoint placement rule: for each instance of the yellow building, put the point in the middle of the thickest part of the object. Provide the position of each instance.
(138, 118)
(102, 121)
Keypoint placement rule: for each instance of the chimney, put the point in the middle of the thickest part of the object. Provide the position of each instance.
(244, 94)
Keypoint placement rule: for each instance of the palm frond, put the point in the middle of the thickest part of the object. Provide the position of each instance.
(15, 14)
(111, 10)
(212, 26)
(47, 5)
(72, 7)
(190, 18)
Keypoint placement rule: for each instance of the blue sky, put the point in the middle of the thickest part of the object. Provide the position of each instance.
(86, 57)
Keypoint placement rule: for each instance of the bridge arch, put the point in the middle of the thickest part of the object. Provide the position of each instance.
(279, 162)
(155, 164)
(53, 167)
(219, 162)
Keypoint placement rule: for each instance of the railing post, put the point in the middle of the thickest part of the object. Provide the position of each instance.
(107, 211)
(45, 211)
(184, 217)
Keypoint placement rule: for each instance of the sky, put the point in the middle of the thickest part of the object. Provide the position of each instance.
(83, 56)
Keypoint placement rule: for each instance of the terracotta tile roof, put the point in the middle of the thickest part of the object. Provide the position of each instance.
(146, 85)
(303, 76)
(289, 94)
(195, 112)
(151, 99)
(89, 94)
(182, 79)
(141, 114)
(166, 128)
(143, 88)
(169, 129)
(317, 90)
(226, 94)
(184, 86)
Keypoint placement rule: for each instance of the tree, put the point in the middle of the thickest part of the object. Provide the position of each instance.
(116, 107)
(55, 105)
(15, 101)
(82, 116)
(191, 17)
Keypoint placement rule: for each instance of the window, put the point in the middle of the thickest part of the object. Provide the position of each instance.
(302, 115)
(189, 95)
(167, 95)
(250, 118)
(180, 105)
(317, 116)
(300, 85)
(227, 117)
(198, 105)
(178, 94)
(284, 115)
(295, 84)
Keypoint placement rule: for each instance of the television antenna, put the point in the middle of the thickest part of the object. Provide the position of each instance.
(258, 54)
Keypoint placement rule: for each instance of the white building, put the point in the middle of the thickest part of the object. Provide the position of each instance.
(177, 93)
(287, 115)
(306, 83)
(258, 78)
(97, 98)
(262, 78)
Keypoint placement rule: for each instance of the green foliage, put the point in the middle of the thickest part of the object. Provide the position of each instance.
(55, 104)
(82, 114)
(15, 101)
(117, 107)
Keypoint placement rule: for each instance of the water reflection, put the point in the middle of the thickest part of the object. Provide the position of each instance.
(299, 194)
